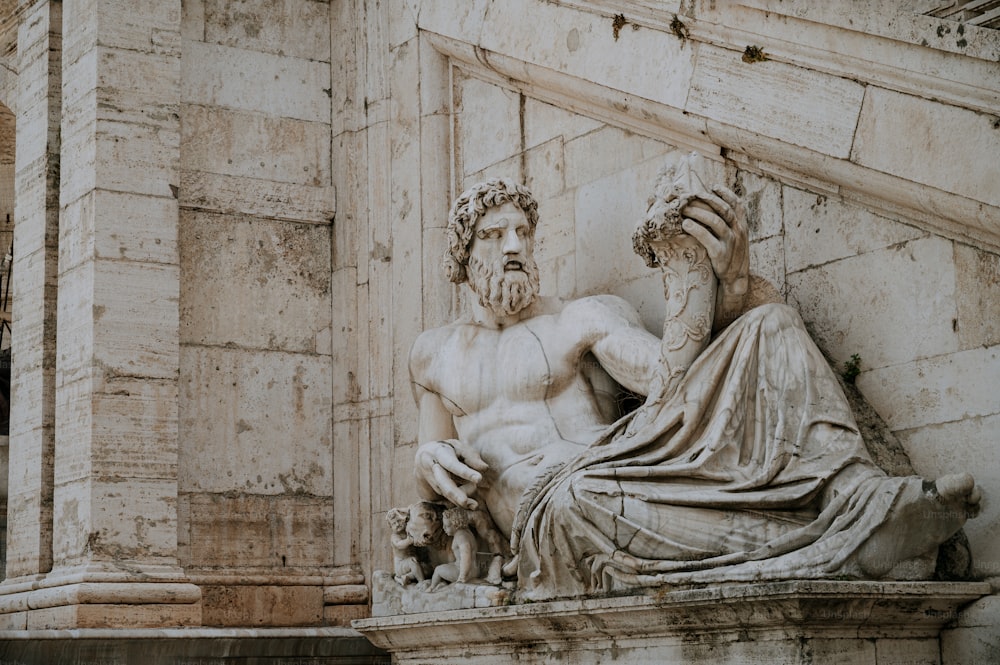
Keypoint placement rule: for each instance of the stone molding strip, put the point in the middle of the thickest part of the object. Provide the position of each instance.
(843, 57)
(282, 201)
(169, 646)
(94, 593)
(935, 210)
(272, 579)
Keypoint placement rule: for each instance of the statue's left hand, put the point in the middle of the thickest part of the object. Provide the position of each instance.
(718, 222)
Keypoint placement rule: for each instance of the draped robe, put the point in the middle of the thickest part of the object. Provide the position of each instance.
(719, 482)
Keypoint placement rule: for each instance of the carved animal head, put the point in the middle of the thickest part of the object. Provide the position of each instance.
(424, 523)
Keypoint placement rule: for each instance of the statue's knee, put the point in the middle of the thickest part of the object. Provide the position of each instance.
(566, 500)
(774, 317)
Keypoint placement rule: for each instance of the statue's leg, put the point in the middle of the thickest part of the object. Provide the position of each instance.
(924, 514)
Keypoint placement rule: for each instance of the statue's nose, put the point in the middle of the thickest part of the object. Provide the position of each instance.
(512, 243)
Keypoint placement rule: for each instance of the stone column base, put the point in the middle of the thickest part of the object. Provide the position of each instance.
(777, 622)
(97, 599)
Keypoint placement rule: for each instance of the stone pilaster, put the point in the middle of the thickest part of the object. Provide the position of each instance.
(32, 428)
(114, 484)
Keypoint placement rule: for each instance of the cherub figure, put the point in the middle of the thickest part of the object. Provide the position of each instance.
(406, 565)
(466, 527)
(455, 522)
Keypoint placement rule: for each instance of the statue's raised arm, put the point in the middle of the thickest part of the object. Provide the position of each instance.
(698, 238)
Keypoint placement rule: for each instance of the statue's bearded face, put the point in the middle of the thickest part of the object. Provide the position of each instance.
(502, 270)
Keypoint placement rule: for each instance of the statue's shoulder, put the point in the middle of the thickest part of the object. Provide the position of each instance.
(600, 311)
(427, 347)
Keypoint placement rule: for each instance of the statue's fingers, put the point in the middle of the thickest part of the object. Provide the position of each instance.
(468, 489)
(458, 468)
(721, 207)
(712, 245)
(735, 204)
(708, 219)
(469, 455)
(446, 487)
(728, 195)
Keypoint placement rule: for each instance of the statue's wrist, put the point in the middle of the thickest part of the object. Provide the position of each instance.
(735, 289)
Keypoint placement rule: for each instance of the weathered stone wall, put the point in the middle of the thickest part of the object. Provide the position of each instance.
(255, 439)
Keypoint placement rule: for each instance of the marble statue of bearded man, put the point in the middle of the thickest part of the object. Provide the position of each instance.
(744, 462)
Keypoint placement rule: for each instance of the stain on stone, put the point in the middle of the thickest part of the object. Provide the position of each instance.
(381, 252)
(298, 390)
(573, 40)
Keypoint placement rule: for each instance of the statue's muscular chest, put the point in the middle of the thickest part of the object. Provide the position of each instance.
(526, 362)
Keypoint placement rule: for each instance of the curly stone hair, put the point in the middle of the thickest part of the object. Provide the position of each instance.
(467, 210)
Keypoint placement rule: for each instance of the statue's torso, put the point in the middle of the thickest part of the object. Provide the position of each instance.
(519, 396)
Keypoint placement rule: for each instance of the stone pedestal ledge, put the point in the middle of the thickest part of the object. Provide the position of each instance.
(786, 622)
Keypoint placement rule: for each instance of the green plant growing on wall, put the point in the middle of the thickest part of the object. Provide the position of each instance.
(852, 368)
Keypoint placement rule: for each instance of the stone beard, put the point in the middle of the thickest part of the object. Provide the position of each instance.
(502, 290)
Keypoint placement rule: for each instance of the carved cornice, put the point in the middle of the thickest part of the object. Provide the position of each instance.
(928, 205)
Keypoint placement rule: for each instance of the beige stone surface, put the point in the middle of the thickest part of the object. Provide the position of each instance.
(937, 137)
(244, 144)
(755, 96)
(585, 46)
(488, 122)
(115, 616)
(254, 283)
(925, 391)
(890, 306)
(293, 28)
(343, 615)
(253, 531)
(228, 77)
(820, 230)
(974, 637)
(232, 437)
(262, 606)
(257, 197)
(977, 283)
